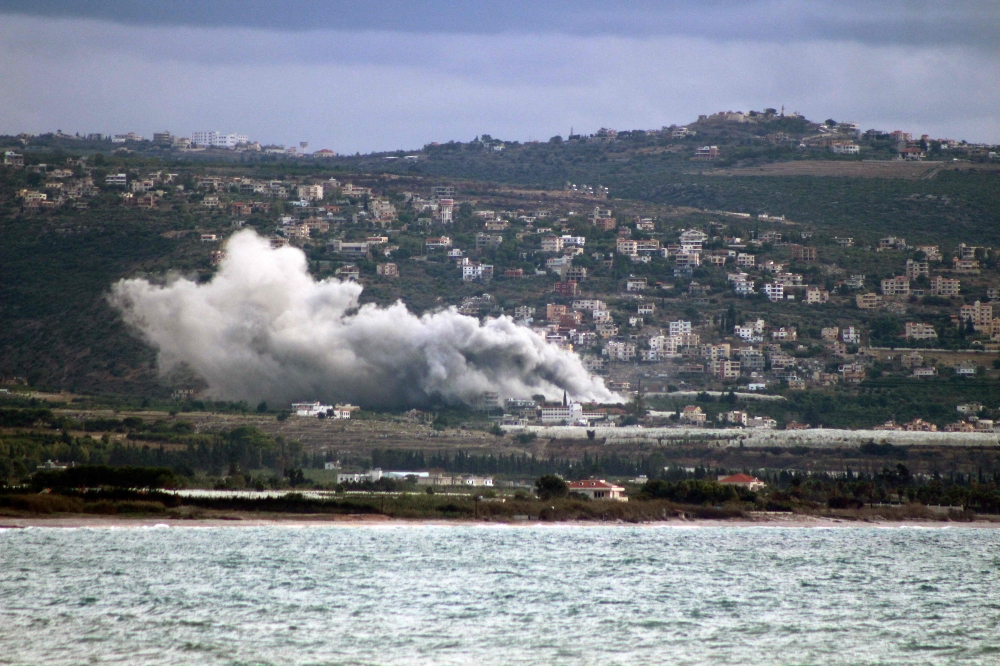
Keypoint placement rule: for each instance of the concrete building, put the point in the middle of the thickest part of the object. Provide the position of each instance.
(569, 414)
(12, 159)
(636, 284)
(815, 295)
(918, 331)
(868, 301)
(310, 192)
(803, 253)
(915, 269)
(896, 286)
(218, 139)
(979, 314)
(942, 286)
(706, 153)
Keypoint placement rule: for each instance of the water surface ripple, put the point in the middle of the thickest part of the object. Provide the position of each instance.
(429, 594)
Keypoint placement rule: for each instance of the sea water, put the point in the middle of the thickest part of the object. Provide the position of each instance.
(432, 594)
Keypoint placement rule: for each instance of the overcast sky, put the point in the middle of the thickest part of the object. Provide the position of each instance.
(381, 75)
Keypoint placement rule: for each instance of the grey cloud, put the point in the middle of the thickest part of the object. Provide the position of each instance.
(383, 91)
(918, 22)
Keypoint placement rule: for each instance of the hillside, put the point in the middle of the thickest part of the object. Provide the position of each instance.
(58, 261)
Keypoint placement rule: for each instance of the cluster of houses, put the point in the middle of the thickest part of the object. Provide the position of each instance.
(969, 422)
(593, 489)
(636, 324)
(839, 138)
(200, 140)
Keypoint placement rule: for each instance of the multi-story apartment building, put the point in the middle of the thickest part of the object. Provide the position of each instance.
(979, 314)
(803, 253)
(942, 286)
(815, 295)
(915, 269)
(896, 286)
(775, 291)
(868, 301)
(918, 331)
(679, 327)
(218, 139)
(554, 244)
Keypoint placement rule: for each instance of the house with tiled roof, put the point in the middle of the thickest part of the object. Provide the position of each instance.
(598, 489)
(743, 481)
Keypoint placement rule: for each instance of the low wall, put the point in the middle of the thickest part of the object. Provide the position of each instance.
(819, 438)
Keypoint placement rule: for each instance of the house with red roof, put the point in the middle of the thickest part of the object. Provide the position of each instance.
(743, 481)
(598, 489)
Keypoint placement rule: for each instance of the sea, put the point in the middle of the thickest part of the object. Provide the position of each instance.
(499, 594)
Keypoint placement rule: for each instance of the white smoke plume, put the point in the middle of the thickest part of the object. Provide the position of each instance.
(263, 328)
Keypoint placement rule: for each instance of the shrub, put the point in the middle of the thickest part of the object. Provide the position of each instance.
(43, 503)
(551, 486)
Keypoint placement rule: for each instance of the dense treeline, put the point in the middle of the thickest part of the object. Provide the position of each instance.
(93, 476)
(176, 447)
(514, 465)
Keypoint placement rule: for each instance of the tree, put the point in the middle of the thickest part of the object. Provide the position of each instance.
(551, 486)
(885, 329)
(637, 407)
(262, 407)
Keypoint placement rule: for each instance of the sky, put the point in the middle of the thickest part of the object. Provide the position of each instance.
(397, 74)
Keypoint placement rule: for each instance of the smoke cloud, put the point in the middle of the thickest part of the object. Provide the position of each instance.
(263, 328)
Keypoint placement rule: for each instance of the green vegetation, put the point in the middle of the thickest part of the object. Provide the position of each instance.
(872, 403)
(889, 493)
(94, 476)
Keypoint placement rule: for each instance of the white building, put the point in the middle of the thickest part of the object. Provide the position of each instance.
(775, 291)
(845, 148)
(677, 328)
(851, 335)
(316, 408)
(476, 271)
(589, 304)
(360, 477)
(570, 413)
(598, 489)
(635, 284)
(218, 139)
(692, 240)
(664, 346)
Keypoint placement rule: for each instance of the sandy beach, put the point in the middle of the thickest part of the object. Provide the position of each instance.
(304, 520)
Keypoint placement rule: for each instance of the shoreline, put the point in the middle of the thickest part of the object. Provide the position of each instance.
(303, 521)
